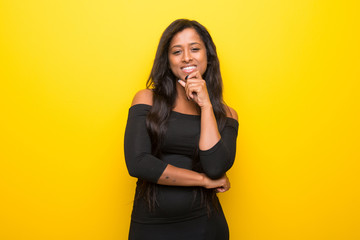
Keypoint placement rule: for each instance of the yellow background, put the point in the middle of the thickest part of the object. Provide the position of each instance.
(69, 70)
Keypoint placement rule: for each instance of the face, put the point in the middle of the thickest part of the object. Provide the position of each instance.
(187, 53)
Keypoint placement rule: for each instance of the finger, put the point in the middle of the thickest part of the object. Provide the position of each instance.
(193, 75)
(182, 82)
(196, 89)
(186, 86)
(189, 93)
(199, 84)
(192, 90)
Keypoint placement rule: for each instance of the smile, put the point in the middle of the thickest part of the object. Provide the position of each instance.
(188, 69)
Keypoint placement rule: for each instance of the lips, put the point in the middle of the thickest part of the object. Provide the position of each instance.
(188, 69)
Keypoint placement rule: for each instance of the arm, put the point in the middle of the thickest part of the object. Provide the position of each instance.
(196, 90)
(142, 164)
(137, 147)
(217, 160)
(217, 150)
(175, 176)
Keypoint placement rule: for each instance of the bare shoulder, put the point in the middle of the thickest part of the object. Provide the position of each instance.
(231, 113)
(143, 96)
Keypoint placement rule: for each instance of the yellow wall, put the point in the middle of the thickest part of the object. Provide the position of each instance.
(68, 72)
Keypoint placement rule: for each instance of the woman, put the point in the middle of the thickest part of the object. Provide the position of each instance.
(180, 140)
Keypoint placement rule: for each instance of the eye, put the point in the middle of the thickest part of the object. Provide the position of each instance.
(176, 52)
(195, 49)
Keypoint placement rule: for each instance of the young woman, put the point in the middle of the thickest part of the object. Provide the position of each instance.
(180, 140)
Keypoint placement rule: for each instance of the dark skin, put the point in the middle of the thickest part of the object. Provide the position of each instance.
(187, 58)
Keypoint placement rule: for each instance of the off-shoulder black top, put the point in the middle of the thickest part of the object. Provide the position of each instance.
(180, 143)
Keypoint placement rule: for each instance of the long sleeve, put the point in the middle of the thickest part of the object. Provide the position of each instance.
(137, 147)
(219, 159)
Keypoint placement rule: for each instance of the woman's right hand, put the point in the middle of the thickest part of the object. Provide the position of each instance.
(221, 185)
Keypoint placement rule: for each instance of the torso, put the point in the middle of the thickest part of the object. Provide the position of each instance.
(175, 203)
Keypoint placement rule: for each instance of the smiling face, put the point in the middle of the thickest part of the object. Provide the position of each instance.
(187, 53)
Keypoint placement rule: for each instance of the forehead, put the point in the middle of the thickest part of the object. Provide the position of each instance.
(185, 37)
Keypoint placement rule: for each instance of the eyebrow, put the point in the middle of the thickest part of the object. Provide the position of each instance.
(193, 43)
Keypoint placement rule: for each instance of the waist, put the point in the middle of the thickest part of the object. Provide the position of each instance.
(173, 204)
(178, 160)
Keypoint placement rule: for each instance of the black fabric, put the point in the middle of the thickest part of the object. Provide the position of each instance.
(202, 228)
(177, 207)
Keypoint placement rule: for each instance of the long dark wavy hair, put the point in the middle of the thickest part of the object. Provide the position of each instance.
(162, 82)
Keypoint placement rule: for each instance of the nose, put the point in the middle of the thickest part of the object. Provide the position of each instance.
(187, 56)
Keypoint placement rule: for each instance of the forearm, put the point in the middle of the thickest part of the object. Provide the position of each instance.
(209, 133)
(175, 176)
(219, 159)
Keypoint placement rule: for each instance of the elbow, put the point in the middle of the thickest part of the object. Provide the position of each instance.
(217, 169)
(133, 166)
(138, 173)
(217, 161)
(215, 173)
(133, 173)
(133, 169)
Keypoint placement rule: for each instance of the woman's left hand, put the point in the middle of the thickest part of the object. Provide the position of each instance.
(195, 89)
(220, 185)
(225, 187)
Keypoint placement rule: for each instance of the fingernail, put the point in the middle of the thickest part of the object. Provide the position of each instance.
(186, 77)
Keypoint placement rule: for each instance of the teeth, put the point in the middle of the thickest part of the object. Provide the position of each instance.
(189, 68)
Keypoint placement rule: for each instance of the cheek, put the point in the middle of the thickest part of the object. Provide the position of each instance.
(173, 66)
(204, 64)
(171, 63)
